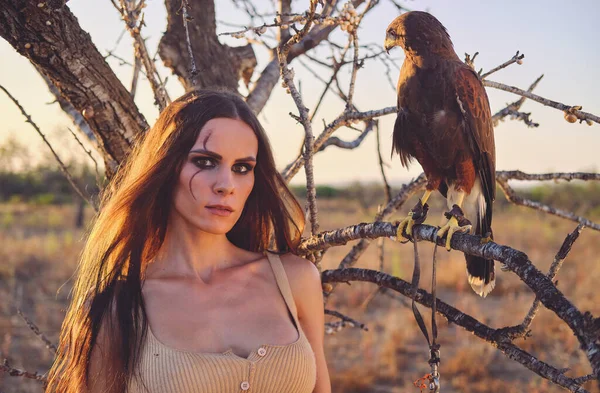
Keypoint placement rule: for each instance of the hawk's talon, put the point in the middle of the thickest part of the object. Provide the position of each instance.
(416, 216)
(456, 223)
(405, 227)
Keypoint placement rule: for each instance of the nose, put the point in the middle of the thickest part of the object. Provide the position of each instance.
(224, 182)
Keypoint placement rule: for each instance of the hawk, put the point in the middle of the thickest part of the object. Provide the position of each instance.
(444, 122)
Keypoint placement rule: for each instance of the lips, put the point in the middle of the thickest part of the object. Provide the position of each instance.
(220, 210)
(222, 207)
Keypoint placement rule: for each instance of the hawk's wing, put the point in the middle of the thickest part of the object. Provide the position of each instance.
(474, 105)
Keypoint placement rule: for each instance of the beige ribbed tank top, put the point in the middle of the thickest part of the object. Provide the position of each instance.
(269, 368)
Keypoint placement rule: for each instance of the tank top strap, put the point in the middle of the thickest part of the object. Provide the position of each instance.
(283, 284)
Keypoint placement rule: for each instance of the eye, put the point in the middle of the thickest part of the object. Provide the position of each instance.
(243, 168)
(391, 32)
(203, 162)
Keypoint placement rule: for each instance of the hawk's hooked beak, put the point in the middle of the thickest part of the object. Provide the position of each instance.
(388, 44)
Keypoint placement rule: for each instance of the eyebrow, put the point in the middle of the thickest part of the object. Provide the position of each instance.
(219, 157)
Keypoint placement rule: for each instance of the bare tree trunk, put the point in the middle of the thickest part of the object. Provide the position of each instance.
(51, 38)
(218, 64)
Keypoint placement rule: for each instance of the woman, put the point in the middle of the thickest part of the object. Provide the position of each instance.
(176, 291)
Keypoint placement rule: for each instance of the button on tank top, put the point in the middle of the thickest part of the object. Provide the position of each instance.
(289, 368)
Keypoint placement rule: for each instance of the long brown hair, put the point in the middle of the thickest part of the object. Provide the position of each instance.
(131, 227)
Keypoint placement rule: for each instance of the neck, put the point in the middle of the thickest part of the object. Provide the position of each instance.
(422, 61)
(426, 60)
(192, 253)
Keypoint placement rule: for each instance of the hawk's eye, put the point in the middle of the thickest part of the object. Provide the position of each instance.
(391, 32)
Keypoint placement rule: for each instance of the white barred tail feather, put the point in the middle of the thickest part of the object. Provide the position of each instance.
(480, 271)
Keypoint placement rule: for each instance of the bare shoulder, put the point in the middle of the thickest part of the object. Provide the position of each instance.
(305, 282)
(299, 270)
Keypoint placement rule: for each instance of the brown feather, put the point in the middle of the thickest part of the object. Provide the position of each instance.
(444, 118)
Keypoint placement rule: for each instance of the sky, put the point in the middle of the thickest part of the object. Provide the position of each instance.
(558, 39)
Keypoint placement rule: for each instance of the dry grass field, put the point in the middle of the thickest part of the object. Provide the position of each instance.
(39, 247)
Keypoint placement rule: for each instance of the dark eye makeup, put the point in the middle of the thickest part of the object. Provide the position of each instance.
(205, 163)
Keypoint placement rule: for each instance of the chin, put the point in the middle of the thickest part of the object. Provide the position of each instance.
(216, 226)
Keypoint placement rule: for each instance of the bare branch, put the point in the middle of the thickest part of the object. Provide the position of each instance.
(568, 176)
(60, 49)
(261, 92)
(470, 61)
(337, 66)
(345, 321)
(131, 11)
(585, 327)
(512, 109)
(583, 116)
(61, 165)
(223, 68)
(285, 8)
(358, 249)
(288, 80)
(349, 14)
(585, 378)
(89, 153)
(137, 65)
(554, 268)
(514, 198)
(515, 59)
(516, 115)
(37, 332)
(493, 336)
(186, 18)
(343, 120)
(355, 66)
(335, 141)
(15, 372)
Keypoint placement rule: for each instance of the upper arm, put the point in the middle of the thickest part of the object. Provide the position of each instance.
(305, 283)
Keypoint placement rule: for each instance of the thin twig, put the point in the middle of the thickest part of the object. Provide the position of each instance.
(37, 332)
(554, 268)
(336, 68)
(15, 372)
(136, 75)
(347, 320)
(358, 249)
(515, 59)
(512, 196)
(89, 153)
(515, 106)
(288, 77)
(62, 166)
(568, 176)
(544, 101)
(584, 379)
(349, 145)
(355, 66)
(186, 19)
(285, 8)
(381, 254)
(130, 12)
(343, 120)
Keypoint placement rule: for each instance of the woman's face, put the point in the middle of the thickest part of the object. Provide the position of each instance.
(217, 176)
